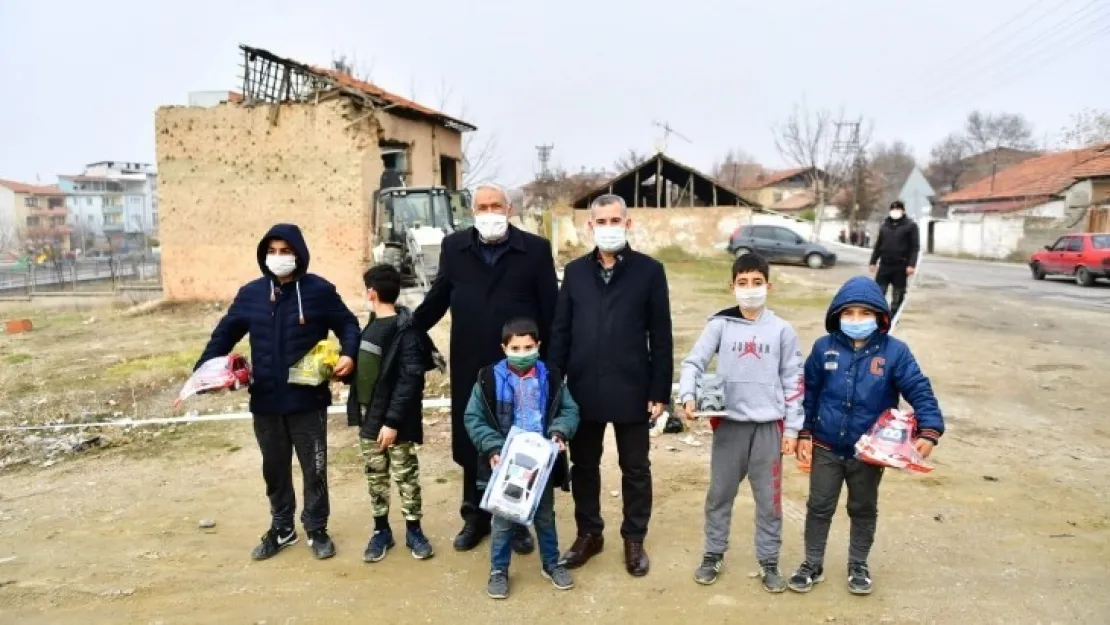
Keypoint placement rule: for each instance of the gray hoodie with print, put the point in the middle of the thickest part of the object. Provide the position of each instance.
(760, 364)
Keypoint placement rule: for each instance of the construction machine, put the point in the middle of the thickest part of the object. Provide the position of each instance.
(409, 224)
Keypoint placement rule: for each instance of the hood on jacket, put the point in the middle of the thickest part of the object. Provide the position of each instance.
(292, 235)
(858, 291)
(732, 313)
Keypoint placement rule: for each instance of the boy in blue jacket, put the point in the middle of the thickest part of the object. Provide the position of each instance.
(854, 374)
(522, 391)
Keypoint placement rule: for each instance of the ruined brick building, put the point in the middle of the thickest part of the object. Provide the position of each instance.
(299, 144)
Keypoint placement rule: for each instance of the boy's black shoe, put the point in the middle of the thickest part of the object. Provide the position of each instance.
(418, 543)
(710, 569)
(320, 543)
(498, 585)
(273, 541)
(470, 536)
(859, 578)
(381, 542)
(523, 543)
(806, 577)
(773, 580)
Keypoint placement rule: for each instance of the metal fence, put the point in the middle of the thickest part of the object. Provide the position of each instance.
(91, 276)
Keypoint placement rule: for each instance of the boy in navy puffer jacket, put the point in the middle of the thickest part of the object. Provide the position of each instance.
(853, 375)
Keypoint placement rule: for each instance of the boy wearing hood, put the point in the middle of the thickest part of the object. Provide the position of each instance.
(385, 402)
(853, 375)
(759, 359)
(287, 312)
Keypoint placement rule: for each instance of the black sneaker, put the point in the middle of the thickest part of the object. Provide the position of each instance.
(498, 585)
(381, 542)
(806, 577)
(418, 543)
(273, 541)
(710, 569)
(470, 536)
(559, 577)
(773, 580)
(523, 543)
(321, 545)
(859, 578)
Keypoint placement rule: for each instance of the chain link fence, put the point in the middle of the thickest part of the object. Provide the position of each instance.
(88, 276)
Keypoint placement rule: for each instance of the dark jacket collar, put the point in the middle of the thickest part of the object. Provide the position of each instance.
(514, 237)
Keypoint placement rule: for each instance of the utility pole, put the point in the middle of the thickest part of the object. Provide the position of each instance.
(668, 130)
(543, 153)
(850, 147)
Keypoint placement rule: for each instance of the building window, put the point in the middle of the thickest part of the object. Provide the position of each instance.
(88, 201)
(30, 201)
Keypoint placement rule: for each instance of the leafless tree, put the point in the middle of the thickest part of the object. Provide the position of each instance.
(351, 66)
(948, 161)
(629, 160)
(9, 235)
(480, 157)
(818, 142)
(990, 131)
(737, 169)
(890, 165)
(1087, 128)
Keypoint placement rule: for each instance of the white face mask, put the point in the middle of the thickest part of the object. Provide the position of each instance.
(610, 238)
(752, 298)
(897, 214)
(491, 226)
(281, 265)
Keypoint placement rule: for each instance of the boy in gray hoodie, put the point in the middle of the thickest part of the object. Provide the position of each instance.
(763, 371)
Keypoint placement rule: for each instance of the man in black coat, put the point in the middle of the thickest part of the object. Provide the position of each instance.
(287, 312)
(488, 274)
(612, 337)
(894, 258)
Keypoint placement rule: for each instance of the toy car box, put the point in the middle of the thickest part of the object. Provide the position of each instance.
(518, 482)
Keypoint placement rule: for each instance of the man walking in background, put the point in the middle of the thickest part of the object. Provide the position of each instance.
(488, 274)
(894, 258)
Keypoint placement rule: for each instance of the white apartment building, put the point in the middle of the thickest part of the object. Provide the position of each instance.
(113, 202)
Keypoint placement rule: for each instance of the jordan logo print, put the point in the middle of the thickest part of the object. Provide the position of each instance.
(750, 347)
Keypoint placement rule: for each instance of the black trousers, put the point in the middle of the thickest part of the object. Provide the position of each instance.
(633, 446)
(827, 475)
(472, 497)
(892, 275)
(278, 437)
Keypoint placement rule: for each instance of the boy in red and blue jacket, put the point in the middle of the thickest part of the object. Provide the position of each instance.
(854, 374)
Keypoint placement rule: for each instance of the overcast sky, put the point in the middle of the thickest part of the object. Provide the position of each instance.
(79, 81)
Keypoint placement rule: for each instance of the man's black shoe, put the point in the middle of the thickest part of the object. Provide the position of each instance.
(470, 536)
(273, 541)
(523, 543)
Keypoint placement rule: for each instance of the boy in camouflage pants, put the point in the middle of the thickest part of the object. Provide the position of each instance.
(385, 401)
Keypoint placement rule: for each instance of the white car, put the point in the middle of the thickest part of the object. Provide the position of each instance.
(518, 482)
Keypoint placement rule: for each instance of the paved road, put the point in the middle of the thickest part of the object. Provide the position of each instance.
(1009, 278)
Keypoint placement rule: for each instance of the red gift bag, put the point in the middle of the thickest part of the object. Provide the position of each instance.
(889, 443)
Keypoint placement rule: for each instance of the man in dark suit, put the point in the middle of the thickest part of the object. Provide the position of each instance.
(488, 274)
(612, 337)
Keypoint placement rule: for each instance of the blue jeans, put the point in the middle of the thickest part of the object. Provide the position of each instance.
(501, 540)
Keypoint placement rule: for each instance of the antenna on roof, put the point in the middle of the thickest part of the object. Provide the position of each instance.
(661, 145)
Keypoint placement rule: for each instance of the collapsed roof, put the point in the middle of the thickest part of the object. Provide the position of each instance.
(270, 78)
(643, 186)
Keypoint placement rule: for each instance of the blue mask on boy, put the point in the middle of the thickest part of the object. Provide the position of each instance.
(859, 330)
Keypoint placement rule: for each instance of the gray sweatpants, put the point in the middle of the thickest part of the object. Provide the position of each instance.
(752, 450)
(828, 474)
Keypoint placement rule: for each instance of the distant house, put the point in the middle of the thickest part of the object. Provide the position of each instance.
(33, 217)
(773, 187)
(917, 194)
(1024, 206)
(662, 182)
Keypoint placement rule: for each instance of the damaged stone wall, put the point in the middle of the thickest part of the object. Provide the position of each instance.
(701, 231)
(226, 175)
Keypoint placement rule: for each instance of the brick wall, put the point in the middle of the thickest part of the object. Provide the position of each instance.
(697, 230)
(226, 175)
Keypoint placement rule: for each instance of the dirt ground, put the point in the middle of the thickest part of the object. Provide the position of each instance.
(1013, 526)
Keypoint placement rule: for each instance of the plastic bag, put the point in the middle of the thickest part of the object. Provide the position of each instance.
(889, 443)
(518, 482)
(231, 372)
(317, 365)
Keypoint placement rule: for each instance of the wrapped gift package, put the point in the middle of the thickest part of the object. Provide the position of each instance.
(317, 365)
(223, 372)
(889, 443)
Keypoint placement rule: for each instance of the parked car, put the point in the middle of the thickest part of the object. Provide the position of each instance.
(1086, 257)
(779, 245)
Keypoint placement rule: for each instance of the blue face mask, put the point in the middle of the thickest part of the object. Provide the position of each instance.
(859, 330)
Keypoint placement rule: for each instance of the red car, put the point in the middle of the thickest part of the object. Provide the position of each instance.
(1084, 256)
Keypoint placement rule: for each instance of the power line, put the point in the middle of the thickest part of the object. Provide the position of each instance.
(1026, 48)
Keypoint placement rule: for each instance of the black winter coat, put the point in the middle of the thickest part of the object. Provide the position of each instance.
(285, 321)
(397, 399)
(614, 340)
(898, 243)
(482, 298)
